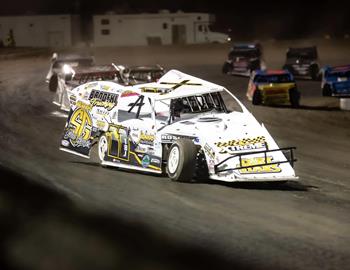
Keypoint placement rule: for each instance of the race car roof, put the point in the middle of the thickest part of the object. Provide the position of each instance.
(245, 46)
(94, 69)
(175, 84)
(272, 72)
(73, 56)
(146, 68)
(339, 68)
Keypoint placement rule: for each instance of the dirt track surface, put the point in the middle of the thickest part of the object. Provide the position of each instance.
(297, 225)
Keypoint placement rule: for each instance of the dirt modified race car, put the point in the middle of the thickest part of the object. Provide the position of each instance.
(143, 74)
(302, 62)
(74, 77)
(336, 81)
(60, 64)
(243, 59)
(273, 87)
(163, 128)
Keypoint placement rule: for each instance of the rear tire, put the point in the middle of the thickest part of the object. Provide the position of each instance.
(314, 72)
(257, 97)
(53, 83)
(181, 163)
(294, 97)
(326, 90)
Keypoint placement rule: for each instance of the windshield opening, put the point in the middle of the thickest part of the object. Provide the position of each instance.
(338, 74)
(188, 107)
(244, 53)
(280, 78)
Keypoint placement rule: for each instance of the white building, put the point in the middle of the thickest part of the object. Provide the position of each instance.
(41, 30)
(157, 28)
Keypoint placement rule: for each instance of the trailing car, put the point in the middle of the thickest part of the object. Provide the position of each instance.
(143, 74)
(243, 59)
(163, 128)
(303, 62)
(336, 81)
(60, 66)
(273, 87)
(74, 77)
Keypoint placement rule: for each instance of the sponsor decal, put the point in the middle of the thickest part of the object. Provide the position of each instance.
(100, 124)
(91, 85)
(129, 93)
(103, 96)
(140, 149)
(169, 138)
(78, 133)
(246, 144)
(84, 106)
(105, 104)
(146, 161)
(147, 139)
(266, 168)
(65, 143)
(79, 128)
(105, 87)
(155, 90)
(155, 161)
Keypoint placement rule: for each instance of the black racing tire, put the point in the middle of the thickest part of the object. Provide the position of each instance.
(226, 68)
(326, 91)
(294, 97)
(314, 72)
(257, 97)
(53, 83)
(181, 163)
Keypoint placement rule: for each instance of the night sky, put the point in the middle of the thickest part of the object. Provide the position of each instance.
(278, 19)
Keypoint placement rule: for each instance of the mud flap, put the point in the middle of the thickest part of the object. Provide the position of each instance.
(78, 133)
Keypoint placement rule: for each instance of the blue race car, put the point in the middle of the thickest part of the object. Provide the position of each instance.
(336, 81)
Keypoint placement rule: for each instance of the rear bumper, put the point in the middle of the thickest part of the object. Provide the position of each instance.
(275, 96)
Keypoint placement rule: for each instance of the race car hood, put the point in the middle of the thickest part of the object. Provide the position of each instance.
(276, 86)
(341, 87)
(222, 136)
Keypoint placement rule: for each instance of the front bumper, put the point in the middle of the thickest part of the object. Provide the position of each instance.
(223, 173)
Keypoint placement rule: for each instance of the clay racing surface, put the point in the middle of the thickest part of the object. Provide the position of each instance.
(296, 225)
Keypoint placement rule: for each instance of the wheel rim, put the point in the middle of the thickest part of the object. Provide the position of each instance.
(102, 147)
(173, 161)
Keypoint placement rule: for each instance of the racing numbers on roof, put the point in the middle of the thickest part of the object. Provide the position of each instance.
(177, 85)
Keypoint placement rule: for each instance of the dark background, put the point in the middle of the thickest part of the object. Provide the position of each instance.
(244, 19)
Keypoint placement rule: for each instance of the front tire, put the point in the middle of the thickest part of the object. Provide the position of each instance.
(326, 90)
(99, 151)
(181, 163)
(53, 83)
(314, 72)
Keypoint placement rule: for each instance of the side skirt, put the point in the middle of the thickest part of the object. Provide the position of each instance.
(125, 166)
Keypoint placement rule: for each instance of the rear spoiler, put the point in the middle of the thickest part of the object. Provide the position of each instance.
(287, 150)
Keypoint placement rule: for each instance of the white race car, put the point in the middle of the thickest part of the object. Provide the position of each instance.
(180, 126)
